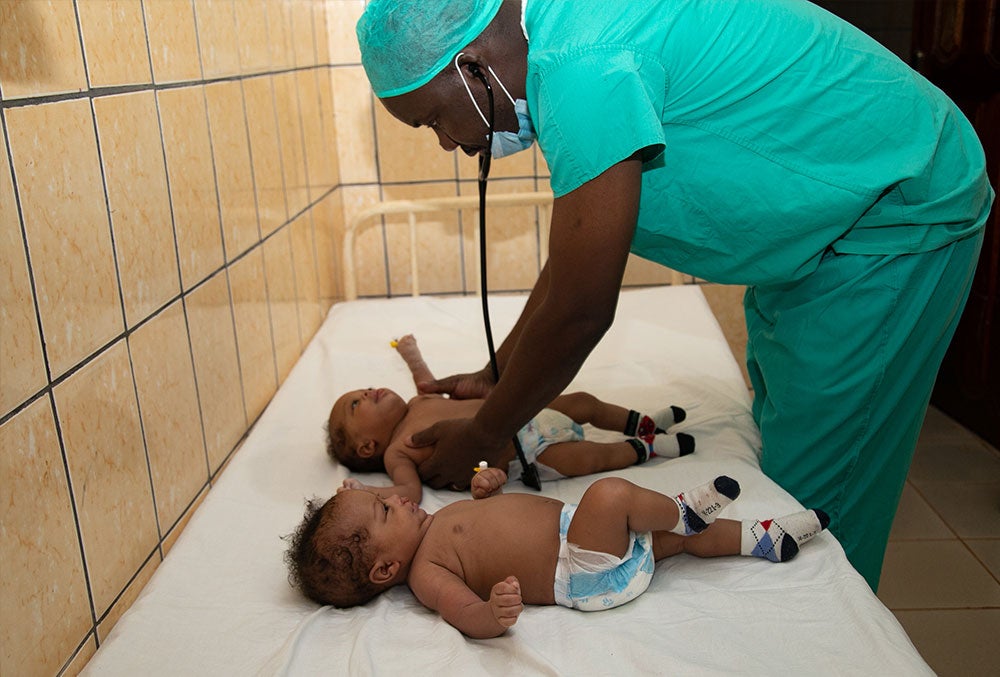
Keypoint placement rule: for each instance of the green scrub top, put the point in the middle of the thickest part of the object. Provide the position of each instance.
(770, 132)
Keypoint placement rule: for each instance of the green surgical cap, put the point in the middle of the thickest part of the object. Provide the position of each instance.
(405, 43)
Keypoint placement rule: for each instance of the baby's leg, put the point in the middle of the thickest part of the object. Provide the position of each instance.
(612, 507)
(777, 540)
(574, 459)
(585, 408)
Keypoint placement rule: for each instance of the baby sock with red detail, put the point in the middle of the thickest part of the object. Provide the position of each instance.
(700, 506)
(664, 444)
(641, 425)
(779, 539)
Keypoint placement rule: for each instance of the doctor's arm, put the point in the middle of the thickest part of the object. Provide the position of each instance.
(570, 309)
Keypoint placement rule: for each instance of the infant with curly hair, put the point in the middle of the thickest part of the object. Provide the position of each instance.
(477, 562)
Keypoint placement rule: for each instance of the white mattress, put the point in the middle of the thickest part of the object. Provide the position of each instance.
(220, 603)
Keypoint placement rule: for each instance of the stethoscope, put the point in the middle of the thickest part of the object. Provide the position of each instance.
(529, 473)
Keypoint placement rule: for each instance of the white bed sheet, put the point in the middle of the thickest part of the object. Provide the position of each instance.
(220, 603)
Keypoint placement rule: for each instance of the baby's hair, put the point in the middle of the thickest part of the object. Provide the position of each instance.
(326, 564)
(342, 450)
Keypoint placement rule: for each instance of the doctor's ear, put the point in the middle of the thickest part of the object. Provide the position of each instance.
(472, 64)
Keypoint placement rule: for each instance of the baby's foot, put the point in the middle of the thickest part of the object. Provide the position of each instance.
(700, 506)
(779, 539)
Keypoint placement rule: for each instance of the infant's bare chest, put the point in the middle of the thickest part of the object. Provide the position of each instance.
(485, 541)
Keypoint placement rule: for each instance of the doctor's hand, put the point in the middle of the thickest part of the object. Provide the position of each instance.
(470, 386)
(459, 446)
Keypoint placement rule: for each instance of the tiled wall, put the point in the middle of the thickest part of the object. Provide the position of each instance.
(169, 204)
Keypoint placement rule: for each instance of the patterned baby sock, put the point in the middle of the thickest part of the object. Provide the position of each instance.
(779, 539)
(664, 444)
(640, 425)
(700, 506)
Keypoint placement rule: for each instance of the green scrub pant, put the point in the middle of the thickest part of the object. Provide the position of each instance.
(842, 364)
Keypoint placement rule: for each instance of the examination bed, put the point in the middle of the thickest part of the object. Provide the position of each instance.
(220, 603)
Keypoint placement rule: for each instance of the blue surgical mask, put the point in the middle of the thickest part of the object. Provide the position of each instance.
(506, 143)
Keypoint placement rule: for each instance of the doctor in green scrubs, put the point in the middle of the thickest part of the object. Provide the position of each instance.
(760, 143)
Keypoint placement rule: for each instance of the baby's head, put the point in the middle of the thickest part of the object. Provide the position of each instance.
(354, 546)
(360, 427)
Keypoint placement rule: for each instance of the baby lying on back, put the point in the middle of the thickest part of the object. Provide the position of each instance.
(368, 432)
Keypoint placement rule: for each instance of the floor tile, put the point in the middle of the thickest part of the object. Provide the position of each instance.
(959, 642)
(916, 520)
(971, 510)
(988, 552)
(958, 457)
(935, 575)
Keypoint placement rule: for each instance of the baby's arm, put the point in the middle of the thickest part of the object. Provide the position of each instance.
(408, 350)
(440, 589)
(403, 473)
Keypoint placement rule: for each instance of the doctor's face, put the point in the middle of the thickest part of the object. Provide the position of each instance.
(443, 105)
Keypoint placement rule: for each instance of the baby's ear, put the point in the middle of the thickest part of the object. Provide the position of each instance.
(383, 572)
(367, 448)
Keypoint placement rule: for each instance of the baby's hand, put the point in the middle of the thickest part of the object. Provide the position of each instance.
(505, 601)
(350, 483)
(405, 342)
(487, 482)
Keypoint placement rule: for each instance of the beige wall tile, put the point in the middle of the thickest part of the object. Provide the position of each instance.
(306, 276)
(640, 271)
(22, 369)
(321, 177)
(265, 151)
(251, 34)
(328, 115)
(279, 35)
(173, 40)
(83, 655)
(129, 596)
(99, 419)
(439, 248)
(368, 250)
(352, 109)
(43, 593)
(132, 156)
(217, 368)
(253, 332)
(168, 403)
(192, 182)
(171, 538)
(216, 21)
(328, 224)
(114, 41)
(321, 31)
(69, 241)
(293, 161)
(234, 173)
(512, 236)
(303, 39)
(409, 154)
(282, 300)
(342, 17)
(40, 51)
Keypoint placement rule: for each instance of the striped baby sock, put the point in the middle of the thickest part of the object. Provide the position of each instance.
(779, 539)
(663, 444)
(641, 425)
(700, 506)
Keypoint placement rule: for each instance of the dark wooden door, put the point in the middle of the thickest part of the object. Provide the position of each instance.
(957, 47)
